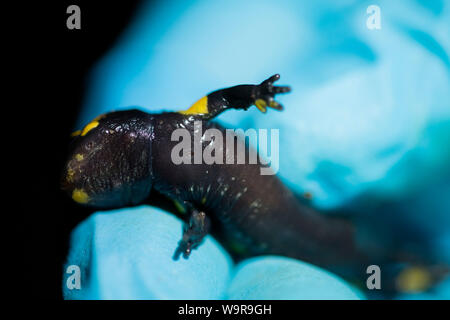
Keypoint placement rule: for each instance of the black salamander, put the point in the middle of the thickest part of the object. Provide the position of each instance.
(119, 157)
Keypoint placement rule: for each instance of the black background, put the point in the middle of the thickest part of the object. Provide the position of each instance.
(56, 64)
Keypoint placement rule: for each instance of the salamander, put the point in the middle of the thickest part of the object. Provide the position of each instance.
(120, 157)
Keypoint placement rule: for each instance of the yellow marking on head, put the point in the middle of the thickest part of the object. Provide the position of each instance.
(80, 196)
(75, 133)
(179, 206)
(414, 279)
(200, 107)
(79, 157)
(203, 200)
(261, 105)
(70, 173)
(89, 127)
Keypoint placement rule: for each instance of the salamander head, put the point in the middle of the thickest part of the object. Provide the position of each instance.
(110, 161)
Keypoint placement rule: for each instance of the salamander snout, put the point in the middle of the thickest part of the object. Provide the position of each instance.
(109, 164)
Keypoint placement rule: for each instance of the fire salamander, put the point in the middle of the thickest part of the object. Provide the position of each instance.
(120, 157)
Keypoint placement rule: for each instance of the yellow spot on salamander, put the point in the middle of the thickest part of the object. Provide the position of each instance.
(203, 200)
(89, 127)
(413, 280)
(80, 196)
(79, 157)
(70, 173)
(75, 133)
(273, 104)
(200, 107)
(179, 206)
(99, 117)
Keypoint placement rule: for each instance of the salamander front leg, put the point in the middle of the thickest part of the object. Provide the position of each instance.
(239, 97)
(193, 233)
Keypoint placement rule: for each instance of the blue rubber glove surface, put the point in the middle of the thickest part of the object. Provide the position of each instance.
(127, 254)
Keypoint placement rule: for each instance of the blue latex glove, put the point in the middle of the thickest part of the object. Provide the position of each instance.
(127, 254)
(369, 113)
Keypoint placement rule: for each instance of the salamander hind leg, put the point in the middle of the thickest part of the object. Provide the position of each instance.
(193, 234)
